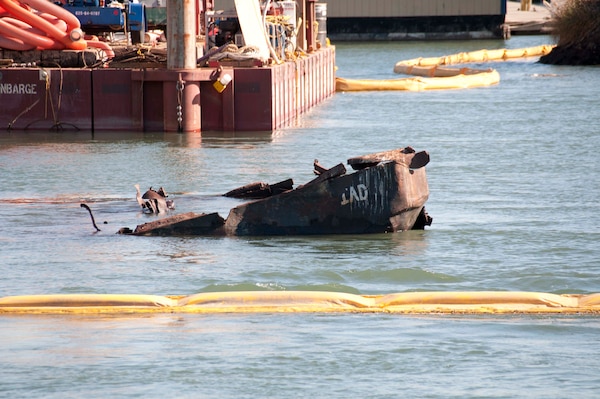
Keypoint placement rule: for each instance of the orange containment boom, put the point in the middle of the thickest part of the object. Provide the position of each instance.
(42, 25)
(475, 302)
(433, 76)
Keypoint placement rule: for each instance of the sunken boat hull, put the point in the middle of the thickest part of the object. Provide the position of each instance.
(382, 198)
(386, 194)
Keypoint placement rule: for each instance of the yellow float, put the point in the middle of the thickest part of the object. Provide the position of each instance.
(475, 302)
(432, 75)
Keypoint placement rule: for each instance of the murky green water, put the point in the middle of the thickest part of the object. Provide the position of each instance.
(514, 197)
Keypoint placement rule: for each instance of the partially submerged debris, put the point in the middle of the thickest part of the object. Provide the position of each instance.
(154, 201)
(260, 190)
(387, 193)
(91, 216)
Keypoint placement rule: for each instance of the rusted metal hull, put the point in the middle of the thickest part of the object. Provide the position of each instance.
(185, 224)
(382, 198)
(263, 98)
(387, 194)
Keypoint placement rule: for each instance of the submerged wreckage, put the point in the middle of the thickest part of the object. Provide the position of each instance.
(387, 193)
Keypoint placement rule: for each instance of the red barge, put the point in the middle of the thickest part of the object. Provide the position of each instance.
(196, 86)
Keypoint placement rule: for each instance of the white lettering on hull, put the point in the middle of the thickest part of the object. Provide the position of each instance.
(358, 193)
(18, 88)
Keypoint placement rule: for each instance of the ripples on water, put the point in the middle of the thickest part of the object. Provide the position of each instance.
(513, 182)
(249, 356)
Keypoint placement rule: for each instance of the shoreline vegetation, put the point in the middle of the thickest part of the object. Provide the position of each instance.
(576, 29)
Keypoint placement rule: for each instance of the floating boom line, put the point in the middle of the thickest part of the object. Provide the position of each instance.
(436, 302)
(433, 74)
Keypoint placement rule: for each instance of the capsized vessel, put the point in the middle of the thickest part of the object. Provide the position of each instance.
(386, 193)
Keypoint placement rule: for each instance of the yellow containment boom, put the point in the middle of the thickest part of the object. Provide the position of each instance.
(304, 302)
(459, 81)
(433, 76)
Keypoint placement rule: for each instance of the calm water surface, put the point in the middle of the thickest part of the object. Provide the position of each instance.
(514, 197)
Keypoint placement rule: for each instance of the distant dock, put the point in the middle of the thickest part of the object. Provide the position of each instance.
(535, 21)
(396, 20)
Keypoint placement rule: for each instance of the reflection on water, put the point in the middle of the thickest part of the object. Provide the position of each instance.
(254, 355)
(236, 139)
(410, 242)
(190, 140)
